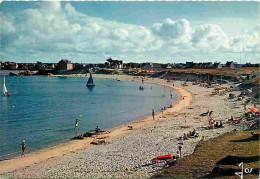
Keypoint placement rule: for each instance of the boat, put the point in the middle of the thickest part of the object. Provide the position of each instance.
(90, 82)
(6, 93)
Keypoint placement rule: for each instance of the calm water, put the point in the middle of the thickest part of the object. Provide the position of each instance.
(43, 110)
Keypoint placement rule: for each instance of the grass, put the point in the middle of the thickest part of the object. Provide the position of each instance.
(220, 71)
(207, 153)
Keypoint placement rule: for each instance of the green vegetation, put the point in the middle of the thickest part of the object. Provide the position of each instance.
(207, 153)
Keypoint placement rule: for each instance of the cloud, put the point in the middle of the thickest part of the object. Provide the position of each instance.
(64, 32)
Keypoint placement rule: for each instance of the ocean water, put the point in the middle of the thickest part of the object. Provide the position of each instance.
(43, 110)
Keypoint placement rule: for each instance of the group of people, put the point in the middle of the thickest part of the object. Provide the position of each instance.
(190, 134)
(212, 123)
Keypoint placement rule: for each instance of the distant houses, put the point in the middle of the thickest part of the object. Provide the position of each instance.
(115, 66)
(217, 65)
(64, 64)
(230, 64)
(114, 63)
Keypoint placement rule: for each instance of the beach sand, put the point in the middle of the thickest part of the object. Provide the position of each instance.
(128, 151)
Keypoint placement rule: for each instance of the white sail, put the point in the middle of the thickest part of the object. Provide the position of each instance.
(4, 88)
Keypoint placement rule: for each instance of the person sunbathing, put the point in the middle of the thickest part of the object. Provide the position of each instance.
(231, 119)
(185, 137)
(237, 121)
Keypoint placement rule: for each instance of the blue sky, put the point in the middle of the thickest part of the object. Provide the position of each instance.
(132, 31)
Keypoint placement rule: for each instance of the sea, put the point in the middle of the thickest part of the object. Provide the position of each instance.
(42, 110)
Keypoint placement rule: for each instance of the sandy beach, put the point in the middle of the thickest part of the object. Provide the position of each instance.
(127, 152)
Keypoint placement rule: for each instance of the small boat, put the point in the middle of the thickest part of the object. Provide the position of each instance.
(6, 93)
(90, 82)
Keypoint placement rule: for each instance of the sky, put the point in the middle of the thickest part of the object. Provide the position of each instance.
(165, 32)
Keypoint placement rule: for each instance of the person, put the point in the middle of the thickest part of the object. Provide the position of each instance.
(178, 156)
(212, 124)
(193, 132)
(163, 96)
(171, 95)
(185, 137)
(23, 146)
(189, 134)
(220, 124)
(244, 107)
(162, 110)
(76, 124)
(97, 129)
(170, 105)
(216, 125)
(153, 113)
(231, 119)
(173, 84)
(180, 150)
(210, 113)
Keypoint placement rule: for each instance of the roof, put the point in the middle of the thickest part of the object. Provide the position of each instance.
(229, 63)
(65, 60)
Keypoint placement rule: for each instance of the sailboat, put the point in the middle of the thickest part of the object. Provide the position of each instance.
(6, 93)
(90, 81)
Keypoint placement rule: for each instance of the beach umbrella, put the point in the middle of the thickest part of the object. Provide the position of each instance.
(254, 110)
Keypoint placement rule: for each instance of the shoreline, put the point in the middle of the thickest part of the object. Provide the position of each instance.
(62, 149)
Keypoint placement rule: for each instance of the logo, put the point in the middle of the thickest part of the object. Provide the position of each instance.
(246, 170)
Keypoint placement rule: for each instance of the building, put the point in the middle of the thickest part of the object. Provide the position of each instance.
(168, 66)
(190, 65)
(10, 66)
(230, 64)
(115, 63)
(217, 65)
(65, 65)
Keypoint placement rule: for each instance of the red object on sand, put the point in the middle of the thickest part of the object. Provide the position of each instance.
(221, 88)
(254, 110)
(162, 157)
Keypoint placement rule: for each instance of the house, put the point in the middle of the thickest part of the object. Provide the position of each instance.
(157, 67)
(168, 66)
(230, 64)
(78, 66)
(208, 65)
(50, 65)
(217, 65)
(190, 64)
(64, 64)
(115, 63)
(148, 67)
(10, 65)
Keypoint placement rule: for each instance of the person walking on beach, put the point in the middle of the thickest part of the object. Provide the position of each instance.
(162, 110)
(23, 146)
(153, 113)
(180, 143)
(76, 124)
